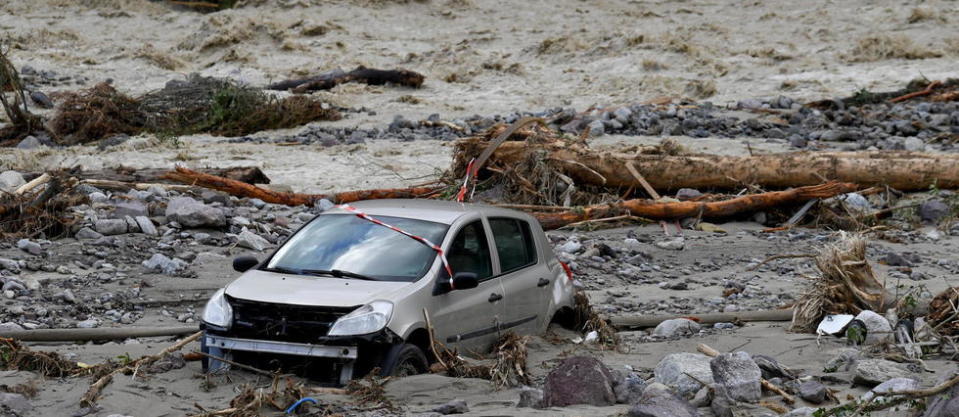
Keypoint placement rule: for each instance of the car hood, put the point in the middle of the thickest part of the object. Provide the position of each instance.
(271, 287)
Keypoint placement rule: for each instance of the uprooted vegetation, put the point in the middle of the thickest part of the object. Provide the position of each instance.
(22, 122)
(196, 105)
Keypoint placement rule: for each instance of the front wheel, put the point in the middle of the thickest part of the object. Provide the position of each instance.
(403, 359)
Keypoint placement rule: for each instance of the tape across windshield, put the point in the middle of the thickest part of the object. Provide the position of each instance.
(423, 240)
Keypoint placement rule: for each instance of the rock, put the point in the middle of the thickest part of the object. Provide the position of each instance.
(945, 404)
(877, 327)
(10, 327)
(677, 243)
(132, 208)
(722, 404)
(843, 361)
(596, 128)
(41, 99)
(11, 180)
(67, 296)
(672, 371)
(801, 412)
(530, 397)
(146, 225)
(687, 194)
(892, 385)
(323, 205)
(456, 406)
(88, 324)
(914, 144)
(110, 227)
(10, 265)
(662, 403)
(97, 197)
(770, 367)
(250, 240)
(872, 372)
(933, 210)
(162, 264)
(29, 142)
(812, 391)
(87, 233)
(739, 375)
(14, 402)
(702, 398)
(895, 259)
(29, 246)
(571, 246)
(629, 389)
(856, 201)
(579, 380)
(676, 327)
(191, 213)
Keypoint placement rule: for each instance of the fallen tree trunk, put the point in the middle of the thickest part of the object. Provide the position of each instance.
(707, 210)
(102, 333)
(361, 74)
(644, 321)
(241, 189)
(905, 171)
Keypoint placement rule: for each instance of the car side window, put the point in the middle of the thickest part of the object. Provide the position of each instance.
(514, 243)
(469, 252)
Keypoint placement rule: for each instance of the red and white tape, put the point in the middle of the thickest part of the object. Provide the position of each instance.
(423, 240)
(461, 195)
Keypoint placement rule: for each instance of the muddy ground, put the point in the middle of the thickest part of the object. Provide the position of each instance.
(480, 58)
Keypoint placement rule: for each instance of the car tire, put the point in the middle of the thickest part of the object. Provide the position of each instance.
(404, 359)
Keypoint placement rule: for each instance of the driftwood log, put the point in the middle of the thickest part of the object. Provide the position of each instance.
(241, 189)
(660, 210)
(361, 74)
(102, 333)
(645, 320)
(906, 171)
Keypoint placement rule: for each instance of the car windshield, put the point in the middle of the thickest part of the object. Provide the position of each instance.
(341, 243)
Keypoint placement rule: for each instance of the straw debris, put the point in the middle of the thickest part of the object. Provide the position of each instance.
(846, 285)
(14, 356)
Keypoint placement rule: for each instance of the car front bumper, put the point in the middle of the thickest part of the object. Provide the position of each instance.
(346, 354)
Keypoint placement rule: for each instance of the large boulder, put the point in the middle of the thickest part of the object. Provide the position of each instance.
(739, 375)
(579, 380)
(191, 213)
(870, 372)
(675, 369)
(662, 403)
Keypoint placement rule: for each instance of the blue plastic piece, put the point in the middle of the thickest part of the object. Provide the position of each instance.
(293, 407)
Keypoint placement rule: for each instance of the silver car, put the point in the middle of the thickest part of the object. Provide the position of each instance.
(351, 290)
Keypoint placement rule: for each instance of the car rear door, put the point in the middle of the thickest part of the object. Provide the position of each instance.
(525, 277)
(469, 319)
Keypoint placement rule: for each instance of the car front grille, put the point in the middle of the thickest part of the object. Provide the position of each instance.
(282, 322)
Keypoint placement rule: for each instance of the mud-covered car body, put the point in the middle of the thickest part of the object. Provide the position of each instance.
(355, 294)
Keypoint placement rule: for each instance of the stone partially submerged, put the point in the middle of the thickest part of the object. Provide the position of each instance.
(681, 371)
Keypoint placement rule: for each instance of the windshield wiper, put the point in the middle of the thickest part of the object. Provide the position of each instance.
(338, 273)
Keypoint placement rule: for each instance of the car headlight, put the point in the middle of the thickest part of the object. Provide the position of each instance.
(367, 319)
(217, 311)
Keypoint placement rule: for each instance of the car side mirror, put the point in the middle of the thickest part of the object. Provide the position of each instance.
(461, 281)
(244, 263)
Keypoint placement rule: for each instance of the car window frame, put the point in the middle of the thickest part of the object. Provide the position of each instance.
(494, 262)
(532, 240)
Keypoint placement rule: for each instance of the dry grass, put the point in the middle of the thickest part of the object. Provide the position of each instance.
(96, 113)
(160, 59)
(943, 314)
(370, 390)
(281, 394)
(846, 285)
(701, 89)
(586, 319)
(921, 14)
(880, 47)
(653, 65)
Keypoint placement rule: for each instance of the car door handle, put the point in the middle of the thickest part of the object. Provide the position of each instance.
(542, 282)
(494, 297)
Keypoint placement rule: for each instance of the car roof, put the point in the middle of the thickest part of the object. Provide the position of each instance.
(438, 211)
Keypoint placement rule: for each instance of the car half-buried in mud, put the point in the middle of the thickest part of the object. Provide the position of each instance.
(352, 289)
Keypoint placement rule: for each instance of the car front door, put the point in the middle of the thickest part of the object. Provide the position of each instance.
(469, 319)
(525, 277)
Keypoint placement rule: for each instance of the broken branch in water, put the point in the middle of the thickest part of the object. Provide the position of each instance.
(361, 74)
